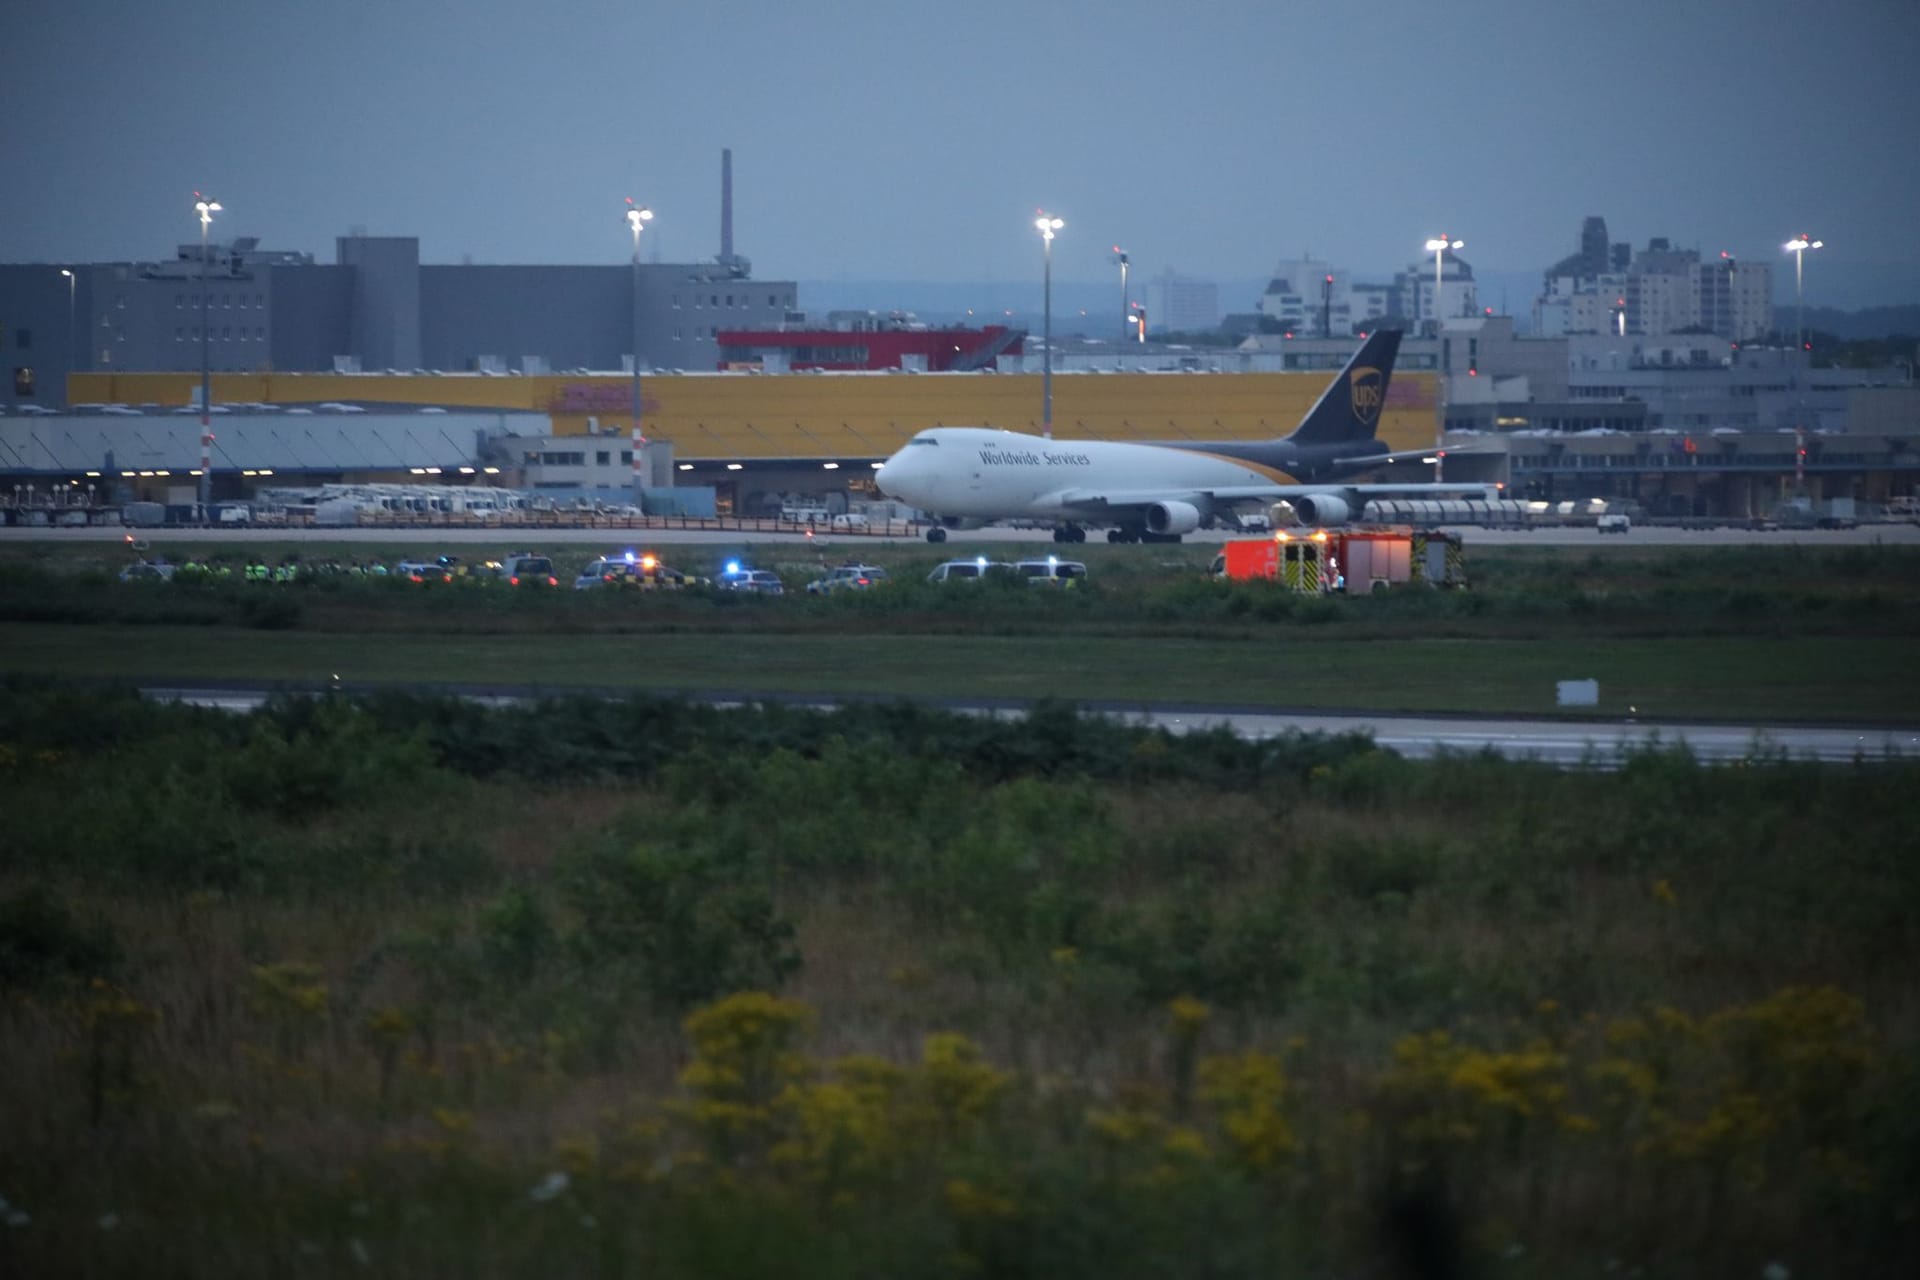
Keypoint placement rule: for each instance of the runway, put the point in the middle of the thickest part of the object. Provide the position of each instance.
(1578, 536)
(1563, 743)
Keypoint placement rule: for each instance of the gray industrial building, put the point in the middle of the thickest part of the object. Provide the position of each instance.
(377, 307)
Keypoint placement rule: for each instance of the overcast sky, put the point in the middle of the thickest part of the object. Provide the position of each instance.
(911, 141)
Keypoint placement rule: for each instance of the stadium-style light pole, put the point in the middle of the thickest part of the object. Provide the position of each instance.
(206, 209)
(1798, 247)
(637, 218)
(1126, 308)
(1438, 247)
(72, 347)
(1047, 225)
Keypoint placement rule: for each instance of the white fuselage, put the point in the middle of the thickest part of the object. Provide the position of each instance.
(981, 473)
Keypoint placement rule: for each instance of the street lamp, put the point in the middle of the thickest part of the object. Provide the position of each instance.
(637, 218)
(1798, 247)
(206, 209)
(1047, 225)
(72, 352)
(1438, 247)
(1126, 308)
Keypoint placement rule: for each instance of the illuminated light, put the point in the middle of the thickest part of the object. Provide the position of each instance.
(686, 466)
(514, 581)
(416, 471)
(876, 465)
(733, 566)
(466, 471)
(493, 471)
(629, 557)
(163, 473)
(733, 466)
(829, 466)
(146, 473)
(981, 561)
(553, 581)
(193, 473)
(1320, 536)
(433, 471)
(648, 563)
(93, 473)
(1287, 334)
(266, 471)
(129, 473)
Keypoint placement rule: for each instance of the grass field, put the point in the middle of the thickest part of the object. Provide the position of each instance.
(1865, 680)
(1743, 633)
(597, 988)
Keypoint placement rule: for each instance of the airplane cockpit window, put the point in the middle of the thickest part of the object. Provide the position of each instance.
(922, 440)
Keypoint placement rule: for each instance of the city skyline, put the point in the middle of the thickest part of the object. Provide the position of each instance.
(874, 142)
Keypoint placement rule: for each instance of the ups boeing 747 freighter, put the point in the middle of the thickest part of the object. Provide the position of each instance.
(966, 477)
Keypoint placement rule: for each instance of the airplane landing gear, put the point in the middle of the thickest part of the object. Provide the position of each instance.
(1069, 533)
(936, 534)
(1139, 533)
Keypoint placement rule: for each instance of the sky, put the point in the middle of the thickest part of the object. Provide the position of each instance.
(899, 140)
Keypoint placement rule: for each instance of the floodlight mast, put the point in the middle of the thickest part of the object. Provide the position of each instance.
(205, 208)
(1047, 226)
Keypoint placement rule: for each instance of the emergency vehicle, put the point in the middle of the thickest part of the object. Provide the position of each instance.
(1350, 560)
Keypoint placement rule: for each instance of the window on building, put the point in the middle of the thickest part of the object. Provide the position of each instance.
(626, 457)
(676, 333)
(600, 458)
(715, 299)
(180, 334)
(260, 334)
(179, 300)
(676, 302)
(226, 334)
(259, 299)
(23, 382)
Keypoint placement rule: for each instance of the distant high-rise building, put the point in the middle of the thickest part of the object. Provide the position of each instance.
(1180, 304)
(1307, 297)
(1660, 290)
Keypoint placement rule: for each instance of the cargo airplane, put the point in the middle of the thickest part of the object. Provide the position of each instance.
(966, 477)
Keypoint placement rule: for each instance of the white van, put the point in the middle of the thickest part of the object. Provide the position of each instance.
(850, 522)
(1051, 572)
(1613, 523)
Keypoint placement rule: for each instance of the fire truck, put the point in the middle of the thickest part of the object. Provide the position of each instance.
(1353, 560)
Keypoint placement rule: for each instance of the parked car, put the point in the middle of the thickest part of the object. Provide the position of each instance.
(527, 569)
(147, 571)
(737, 577)
(1051, 571)
(970, 570)
(644, 573)
(424, 571)
(849, 522)
(848, 577)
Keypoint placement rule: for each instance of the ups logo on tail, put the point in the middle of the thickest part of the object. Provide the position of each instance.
(1366, 389)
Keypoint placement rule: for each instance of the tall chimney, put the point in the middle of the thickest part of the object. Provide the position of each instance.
(726, 205)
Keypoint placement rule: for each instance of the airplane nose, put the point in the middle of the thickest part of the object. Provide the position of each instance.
(880, 477)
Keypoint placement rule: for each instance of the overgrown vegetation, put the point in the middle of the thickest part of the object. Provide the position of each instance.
(648, 988)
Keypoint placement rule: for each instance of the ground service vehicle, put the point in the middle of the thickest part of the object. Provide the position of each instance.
(527, 569)
(1051, 572)
(1350, 560)
(848, 577)
(969, 570)
(1613, 523)
(849, 522)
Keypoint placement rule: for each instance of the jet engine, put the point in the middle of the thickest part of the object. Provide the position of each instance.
(1173, 517)
(1319, 509)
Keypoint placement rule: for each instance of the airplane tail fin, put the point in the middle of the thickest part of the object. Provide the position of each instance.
(1349, 409)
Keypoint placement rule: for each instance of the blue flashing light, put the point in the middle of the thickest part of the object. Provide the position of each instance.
(981, 561)
(629, 557)
(733, 566)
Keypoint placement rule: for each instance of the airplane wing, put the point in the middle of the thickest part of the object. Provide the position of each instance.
(1092, 504)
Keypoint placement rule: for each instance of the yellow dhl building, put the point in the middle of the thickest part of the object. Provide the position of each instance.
(728, 417)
